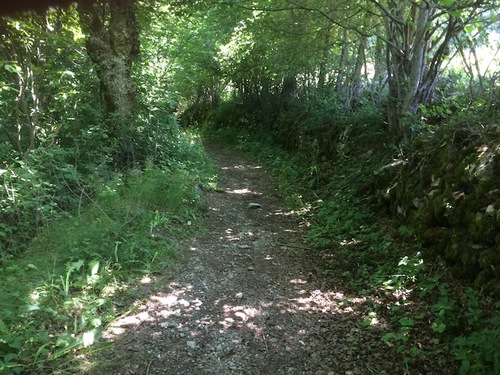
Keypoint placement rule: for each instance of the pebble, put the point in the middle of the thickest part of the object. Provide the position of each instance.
(254, 205)
(192, 344)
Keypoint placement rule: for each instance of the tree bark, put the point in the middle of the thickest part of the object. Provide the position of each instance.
(414, 55)
(340, 81)
(112, 44)
(355, 88)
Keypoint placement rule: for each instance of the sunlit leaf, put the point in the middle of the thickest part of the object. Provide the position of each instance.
(31, 308)
(88, 338)
(11, 68)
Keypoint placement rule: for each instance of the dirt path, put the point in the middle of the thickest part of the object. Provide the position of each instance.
(248, 299)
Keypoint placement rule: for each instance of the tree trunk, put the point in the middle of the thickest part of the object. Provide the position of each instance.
(356, 80)
(380, 66)
(325, 57)
(414, 55)
(113, 44)
(340, 81)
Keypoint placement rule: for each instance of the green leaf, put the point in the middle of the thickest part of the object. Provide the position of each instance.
(11, 68)
(406, 322)
(66, 340)
(388, 337)
(31, 308)
(438, 327)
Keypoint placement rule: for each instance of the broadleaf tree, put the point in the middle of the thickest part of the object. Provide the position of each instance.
(113, 45)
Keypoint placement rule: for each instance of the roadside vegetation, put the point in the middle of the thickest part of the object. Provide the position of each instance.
(86, 215)
(84, 268)
(431, 314)
(380, 117)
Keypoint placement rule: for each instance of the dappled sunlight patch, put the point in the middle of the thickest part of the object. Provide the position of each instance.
(146, 280)
(350, 242)
(242, 191)
(239, 314)
(317, 300)
(109, 290)
(121, 325)
(181, 301)
(241, 167)
(231, 236)
(280, 213)
(158, 307)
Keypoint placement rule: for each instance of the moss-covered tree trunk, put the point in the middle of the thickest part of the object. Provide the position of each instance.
(113, 44)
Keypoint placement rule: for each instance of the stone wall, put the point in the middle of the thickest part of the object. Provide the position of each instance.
(448, 190)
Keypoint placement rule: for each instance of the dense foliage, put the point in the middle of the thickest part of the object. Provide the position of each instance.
(383, 107)
(91, 199)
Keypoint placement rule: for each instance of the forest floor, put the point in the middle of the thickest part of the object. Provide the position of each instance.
(249, 298)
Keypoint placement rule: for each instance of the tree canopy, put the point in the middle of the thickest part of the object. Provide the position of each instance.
(393, 103)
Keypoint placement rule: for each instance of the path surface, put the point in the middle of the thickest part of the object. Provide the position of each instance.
(248, 298)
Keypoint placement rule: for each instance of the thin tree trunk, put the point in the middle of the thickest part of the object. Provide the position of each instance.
(414, 56)
(356, 80)
(339, 83)
(380, 66)
(325, 56)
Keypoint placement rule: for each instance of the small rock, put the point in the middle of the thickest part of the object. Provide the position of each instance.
(254, 205)
(239, 295)
(250, 268)
(192, 344)
(244, 246)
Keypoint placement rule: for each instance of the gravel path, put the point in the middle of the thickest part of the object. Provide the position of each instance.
(248, 299)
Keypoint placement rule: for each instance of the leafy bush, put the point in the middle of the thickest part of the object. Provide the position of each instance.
(478, 352)
(34, 192)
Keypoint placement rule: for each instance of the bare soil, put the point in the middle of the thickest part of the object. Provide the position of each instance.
(249, 298)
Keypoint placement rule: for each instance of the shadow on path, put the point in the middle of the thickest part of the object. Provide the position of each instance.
(247, 299)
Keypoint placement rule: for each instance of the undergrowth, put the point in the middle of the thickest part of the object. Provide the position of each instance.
(82, 270)
(431, 316)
